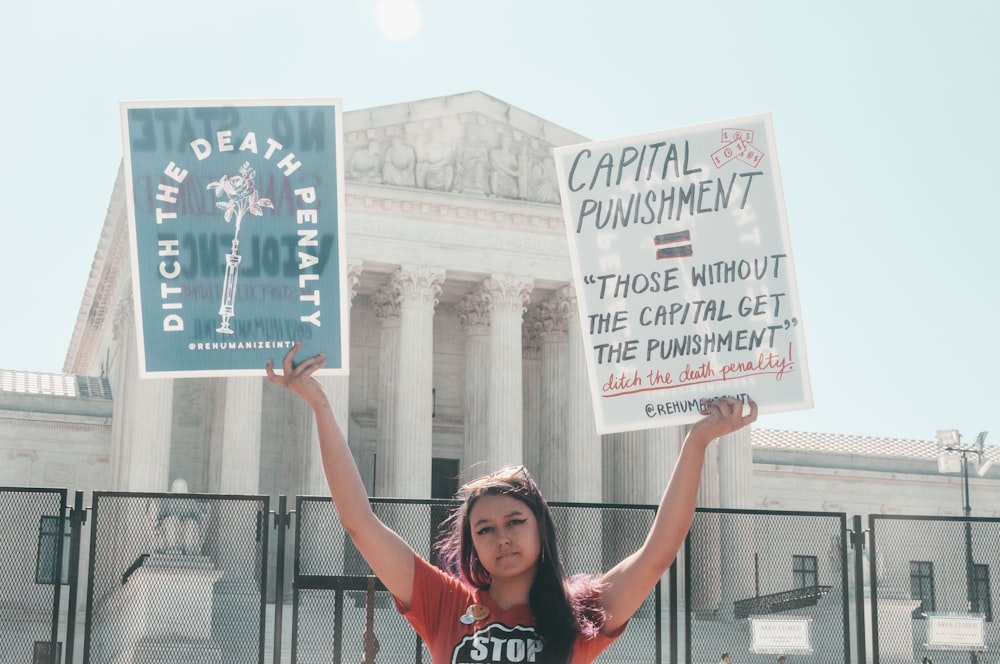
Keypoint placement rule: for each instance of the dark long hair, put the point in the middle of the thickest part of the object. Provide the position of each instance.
(564, 608)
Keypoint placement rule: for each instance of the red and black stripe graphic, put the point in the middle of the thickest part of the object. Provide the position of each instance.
(676, 251)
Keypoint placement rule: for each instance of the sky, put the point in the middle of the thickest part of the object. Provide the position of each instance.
(886, 118)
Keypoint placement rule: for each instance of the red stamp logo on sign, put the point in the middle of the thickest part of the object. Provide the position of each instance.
(737, 144)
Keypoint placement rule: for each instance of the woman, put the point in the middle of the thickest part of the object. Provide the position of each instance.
(511, 600)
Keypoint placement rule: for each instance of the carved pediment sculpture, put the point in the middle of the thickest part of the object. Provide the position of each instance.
(466, 154)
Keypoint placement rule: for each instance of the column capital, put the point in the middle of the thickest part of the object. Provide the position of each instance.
(385, 302)
(553, 318)
(507, 293)
(531, 331)
(418, 284)
(567, 295)
(354, 271)
(474, 314)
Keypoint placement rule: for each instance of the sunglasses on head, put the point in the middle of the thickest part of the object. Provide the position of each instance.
(503, 475)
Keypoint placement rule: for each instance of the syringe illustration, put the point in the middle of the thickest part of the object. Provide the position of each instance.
(243, 198)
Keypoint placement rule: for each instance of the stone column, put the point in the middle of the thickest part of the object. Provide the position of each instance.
(736, 470)
(148, 431)
(239, 448)
(583, 477)
(584, 483)
(338, 390)
(638, 465)
(137, 464)
(142, 427)
(556, 463)
(419, 287)
(706, 540)
(386, 304)
(474, 317)
(625, 457)
(735, 478)
(708, 489)
(531, 397)
(507, 296)
(118, 375)
(641, 463)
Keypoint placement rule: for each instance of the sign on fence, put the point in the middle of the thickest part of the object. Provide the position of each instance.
(780, 635)
(684, 272)
(237, 229)
(951, 631)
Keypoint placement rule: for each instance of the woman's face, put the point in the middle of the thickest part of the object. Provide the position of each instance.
(505, 535)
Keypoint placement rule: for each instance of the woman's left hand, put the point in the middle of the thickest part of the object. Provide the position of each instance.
(723, 416)
(298, 376)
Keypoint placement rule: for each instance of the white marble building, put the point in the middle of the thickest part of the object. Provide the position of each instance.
(465, 350)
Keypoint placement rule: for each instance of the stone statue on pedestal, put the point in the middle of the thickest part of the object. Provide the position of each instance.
(177, 525)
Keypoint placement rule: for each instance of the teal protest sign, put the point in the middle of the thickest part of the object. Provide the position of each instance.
(237, 230)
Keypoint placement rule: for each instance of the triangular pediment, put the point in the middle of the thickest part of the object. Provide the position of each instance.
(465, 144)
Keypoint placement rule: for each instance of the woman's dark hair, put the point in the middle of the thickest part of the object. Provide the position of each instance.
(564, 608)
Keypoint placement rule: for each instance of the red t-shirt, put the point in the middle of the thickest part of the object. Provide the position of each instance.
(505, 636)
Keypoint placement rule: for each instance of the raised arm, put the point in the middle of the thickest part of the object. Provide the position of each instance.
(390, 557)
(629, 582)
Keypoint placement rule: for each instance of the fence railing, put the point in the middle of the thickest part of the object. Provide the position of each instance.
(33, 572)
(933, 593)
(199, 578)
(336, 608)
(760, 584)
(176, 577)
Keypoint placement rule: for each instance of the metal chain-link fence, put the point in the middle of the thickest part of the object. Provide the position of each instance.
(33, 547)
(183, 577)
(933, 590)
(765, 583)
(332, 604)
(176, 578)
(337, 604)
(592, 539)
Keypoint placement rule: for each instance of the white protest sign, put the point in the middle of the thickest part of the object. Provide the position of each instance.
(683, 272)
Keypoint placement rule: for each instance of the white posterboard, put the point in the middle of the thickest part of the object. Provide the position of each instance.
(684, 274)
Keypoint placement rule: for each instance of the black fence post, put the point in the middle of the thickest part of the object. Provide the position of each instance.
(687, 599)
(873, 576)
(671, 611)
(858, 542)
(78, 517)
(281, 522)
(56, 576)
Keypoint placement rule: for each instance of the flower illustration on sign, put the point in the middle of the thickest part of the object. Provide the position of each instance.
(242, 198)
(242, 195)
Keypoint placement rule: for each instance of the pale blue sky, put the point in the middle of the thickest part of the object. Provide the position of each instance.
(886, 116)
